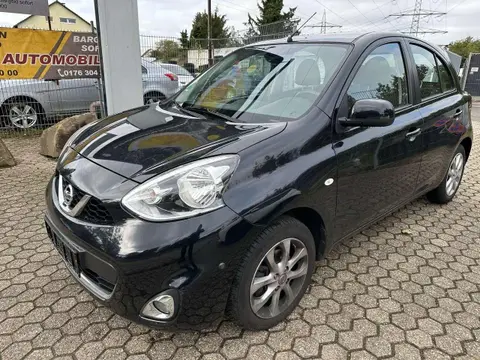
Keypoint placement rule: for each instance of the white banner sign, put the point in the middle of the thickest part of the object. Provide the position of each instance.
(31, 7)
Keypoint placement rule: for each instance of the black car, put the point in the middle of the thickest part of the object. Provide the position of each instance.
(220, 199)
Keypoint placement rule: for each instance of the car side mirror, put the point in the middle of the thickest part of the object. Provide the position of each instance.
(370, 113)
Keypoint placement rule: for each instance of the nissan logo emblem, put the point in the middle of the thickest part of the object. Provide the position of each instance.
(68, 195)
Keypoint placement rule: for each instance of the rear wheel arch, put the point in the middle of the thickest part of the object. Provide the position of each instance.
(24, 98)
(467, 145)
(153, 94)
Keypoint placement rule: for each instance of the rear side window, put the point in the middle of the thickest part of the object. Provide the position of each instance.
(427, 71)
(381, 76)
(445, 76)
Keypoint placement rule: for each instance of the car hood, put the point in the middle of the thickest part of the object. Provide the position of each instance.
(146, 141)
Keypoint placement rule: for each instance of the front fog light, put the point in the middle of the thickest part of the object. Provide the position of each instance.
(161, 307)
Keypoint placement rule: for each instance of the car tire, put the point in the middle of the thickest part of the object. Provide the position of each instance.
(281, 289)
(446, 191)
(36, 110)
(151, 98)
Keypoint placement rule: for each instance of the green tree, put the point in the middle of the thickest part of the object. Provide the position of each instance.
(184, 42)
(220, 31)
(272, 22)
(465, 46)
(167, 50)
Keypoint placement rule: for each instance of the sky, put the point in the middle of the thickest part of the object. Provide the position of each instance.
(168, 17)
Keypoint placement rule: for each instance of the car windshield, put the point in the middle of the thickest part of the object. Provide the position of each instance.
(176, 69)
(265, 82)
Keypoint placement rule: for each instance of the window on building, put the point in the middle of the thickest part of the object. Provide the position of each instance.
(68, 20)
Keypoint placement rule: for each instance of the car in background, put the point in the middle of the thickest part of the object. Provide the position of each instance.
(27, 103)
(184, 76)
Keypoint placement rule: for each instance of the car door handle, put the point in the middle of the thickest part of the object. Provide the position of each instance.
(411, 135)
(458, 113)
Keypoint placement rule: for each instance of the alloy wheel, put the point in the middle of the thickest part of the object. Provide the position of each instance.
(279, 278)
(23, 116)
(454, 176)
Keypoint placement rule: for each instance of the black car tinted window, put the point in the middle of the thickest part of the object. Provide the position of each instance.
(427, 71)
(445, 76)
(381, 76)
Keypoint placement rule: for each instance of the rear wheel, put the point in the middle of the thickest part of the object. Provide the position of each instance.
(153, 97)
(446, 191)
(274, 275)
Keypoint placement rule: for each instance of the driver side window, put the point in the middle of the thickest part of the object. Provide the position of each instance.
(381, 76)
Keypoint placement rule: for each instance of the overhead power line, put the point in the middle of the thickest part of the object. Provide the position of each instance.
(324, 25)
(417, 14)
(361, 13)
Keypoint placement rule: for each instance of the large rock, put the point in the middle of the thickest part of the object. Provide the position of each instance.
(6, 158)
(54, 138)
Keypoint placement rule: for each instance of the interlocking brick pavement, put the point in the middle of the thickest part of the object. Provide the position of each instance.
(406, 288)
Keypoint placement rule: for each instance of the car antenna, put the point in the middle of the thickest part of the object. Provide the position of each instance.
(290, 37)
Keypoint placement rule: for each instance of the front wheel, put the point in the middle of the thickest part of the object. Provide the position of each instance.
(20, 114)
(274, 275)
(446, 191)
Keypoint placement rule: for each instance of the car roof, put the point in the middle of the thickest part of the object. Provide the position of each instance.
(346, 37)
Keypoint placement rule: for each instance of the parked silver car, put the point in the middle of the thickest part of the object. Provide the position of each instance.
(184, 76)
(26, 103)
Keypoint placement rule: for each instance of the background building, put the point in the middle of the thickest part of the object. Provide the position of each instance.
(61, 18)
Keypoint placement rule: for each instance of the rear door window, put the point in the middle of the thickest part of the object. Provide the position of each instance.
(427, 71)
(446, 79)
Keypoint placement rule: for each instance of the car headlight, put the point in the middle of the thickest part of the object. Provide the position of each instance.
(183, 192)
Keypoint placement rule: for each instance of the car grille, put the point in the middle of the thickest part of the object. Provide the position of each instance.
(96, 213)
(93, 212)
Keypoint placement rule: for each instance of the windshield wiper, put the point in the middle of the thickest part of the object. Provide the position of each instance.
(205, 111)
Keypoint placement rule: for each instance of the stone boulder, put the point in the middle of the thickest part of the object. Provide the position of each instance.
(54, 138)
(6, 158)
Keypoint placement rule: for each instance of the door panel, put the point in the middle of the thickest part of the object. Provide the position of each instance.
(377, 170)
(74, 95)
(443, 109)
(378, 166)
(443, 128)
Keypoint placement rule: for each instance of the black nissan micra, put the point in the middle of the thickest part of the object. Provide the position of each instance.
(220, 199)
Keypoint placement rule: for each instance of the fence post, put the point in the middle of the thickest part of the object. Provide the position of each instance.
(466, 67)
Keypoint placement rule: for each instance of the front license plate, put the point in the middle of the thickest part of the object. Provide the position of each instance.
(69, 255)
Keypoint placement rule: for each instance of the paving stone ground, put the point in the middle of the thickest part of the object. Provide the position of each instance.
(406, 288)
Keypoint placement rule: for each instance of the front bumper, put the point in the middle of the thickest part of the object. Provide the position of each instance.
(126, 264)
